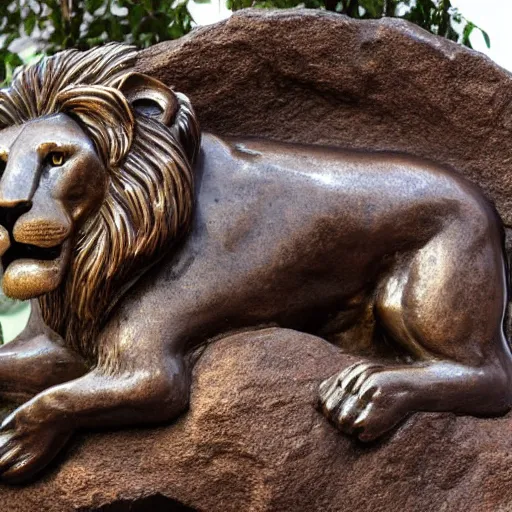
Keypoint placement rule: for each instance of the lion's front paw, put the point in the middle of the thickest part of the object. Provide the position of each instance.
(365, 399)
(27, 445)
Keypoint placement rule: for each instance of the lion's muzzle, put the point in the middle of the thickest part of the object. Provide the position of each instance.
(42, 233)
(34, 250)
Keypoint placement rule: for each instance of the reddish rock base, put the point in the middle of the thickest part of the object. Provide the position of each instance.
(253, 440)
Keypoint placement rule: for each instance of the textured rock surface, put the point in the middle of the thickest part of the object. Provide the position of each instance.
(254, 441)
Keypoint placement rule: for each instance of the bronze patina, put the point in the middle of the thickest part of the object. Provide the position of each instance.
(137, 243)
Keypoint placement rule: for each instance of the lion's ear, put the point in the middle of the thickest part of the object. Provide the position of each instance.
(149, 96)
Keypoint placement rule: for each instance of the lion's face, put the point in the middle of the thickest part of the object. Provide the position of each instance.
(52, 180)
(96, 183)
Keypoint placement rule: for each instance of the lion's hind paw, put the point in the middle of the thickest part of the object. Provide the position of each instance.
(365, 400)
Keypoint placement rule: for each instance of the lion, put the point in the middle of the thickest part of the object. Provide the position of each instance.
(138, 240)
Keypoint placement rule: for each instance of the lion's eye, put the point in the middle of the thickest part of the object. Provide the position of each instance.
(56, 159)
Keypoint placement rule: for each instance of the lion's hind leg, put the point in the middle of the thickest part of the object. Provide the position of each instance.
(446, 309)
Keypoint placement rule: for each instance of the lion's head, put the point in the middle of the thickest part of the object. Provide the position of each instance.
(96, 182)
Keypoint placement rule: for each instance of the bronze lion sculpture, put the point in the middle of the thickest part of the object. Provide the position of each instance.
(138, 242)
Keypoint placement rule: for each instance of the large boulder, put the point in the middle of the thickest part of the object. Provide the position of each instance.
(253, 438)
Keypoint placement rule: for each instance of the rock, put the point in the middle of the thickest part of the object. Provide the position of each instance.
(254, 441)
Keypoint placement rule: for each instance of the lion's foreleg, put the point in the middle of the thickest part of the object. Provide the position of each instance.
(29, 366)
(36, 360)
(36, 431)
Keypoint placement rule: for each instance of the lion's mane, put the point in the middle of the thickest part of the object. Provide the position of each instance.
(149, 201)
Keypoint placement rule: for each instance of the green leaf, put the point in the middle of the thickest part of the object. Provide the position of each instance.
(30, 23)
(10, 62)
(93, 5)
(96, 28)
(466, 32)
(135, 15)
(114, 30)
(487, 39)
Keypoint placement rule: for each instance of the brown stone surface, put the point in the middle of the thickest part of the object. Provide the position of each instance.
(254, 441)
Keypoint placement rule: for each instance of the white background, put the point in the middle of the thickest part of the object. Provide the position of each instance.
(495, 17)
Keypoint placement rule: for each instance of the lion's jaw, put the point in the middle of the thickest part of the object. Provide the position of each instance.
(52, 181)
(27, 278)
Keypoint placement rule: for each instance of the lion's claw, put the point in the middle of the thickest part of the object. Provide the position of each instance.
(365, 399)
(27, 446)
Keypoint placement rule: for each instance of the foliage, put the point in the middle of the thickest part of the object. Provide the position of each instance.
(57, 24)
(436, 16)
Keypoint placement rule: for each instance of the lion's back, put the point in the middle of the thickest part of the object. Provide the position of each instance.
(274, 181)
